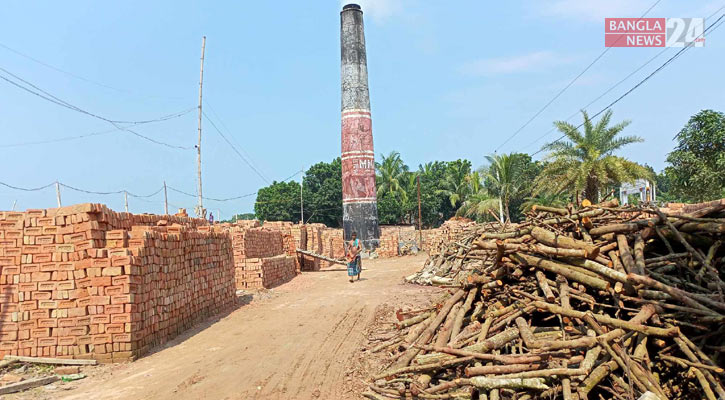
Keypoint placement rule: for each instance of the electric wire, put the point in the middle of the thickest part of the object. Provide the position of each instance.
(74, 75)
(233, 139)
(116, 123)
(709, 29)
(235, 149)
(566, 87)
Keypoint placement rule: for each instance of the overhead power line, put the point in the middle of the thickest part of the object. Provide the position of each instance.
(27, 189)
(74, 75)
(228, 198)
(246, 161)
(565, 88)
(118, 124)
(709, 29)
(232, 137)
(601, 95)
(113, 192)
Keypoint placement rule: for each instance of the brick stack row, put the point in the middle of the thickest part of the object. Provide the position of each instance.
(269, 272)
(331, 245)
(389, 237)
(314, 244)
(434, 240)
(75, 283)
(294, 236)
(261, 254)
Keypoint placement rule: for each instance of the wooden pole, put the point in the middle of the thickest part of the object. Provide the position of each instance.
(166, 201)
(125, 199)
(302, 207)
(57, 193)
(200, 207)
(420, 218)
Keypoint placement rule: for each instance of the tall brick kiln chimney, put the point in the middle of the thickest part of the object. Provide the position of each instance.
(359, 200)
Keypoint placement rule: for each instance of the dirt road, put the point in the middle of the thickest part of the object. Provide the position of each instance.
(297, 341)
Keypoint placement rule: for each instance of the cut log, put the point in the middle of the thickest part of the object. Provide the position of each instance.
(560, 241)
(47, 360)
(29, 384)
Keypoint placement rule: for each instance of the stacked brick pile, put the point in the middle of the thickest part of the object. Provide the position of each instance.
(314, 244)
(262, 242)
(389, 238)
(256, 251)
(294, 236)
(331, 245)
(75, 283)
(435, 239)
(269, 272)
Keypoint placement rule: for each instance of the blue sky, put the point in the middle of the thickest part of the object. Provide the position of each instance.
(446, 82)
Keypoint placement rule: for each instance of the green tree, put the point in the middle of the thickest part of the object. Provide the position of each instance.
(278, 202)
(506, 179)
(455, 185)
(696, 166)
(435, 205)
(391, 175)
(389, 209)
(479, 203)
(322, 193)
(544, 198)
(586, 161)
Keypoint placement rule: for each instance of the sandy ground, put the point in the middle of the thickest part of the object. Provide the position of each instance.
(302, 340)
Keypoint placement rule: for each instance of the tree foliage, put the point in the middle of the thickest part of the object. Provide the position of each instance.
(586, 161)
(279, 201)
(697, 163)
(391, 175)
(512, 183)
(322, 193)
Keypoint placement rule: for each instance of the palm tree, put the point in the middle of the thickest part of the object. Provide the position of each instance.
(504, 177)
(479, 202)
(586, 161)
(456, 182)
(391, 172)
(545, 198)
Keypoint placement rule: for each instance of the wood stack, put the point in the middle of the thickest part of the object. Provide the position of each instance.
(596, 303)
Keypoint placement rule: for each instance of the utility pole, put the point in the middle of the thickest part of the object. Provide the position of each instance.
(125, 199)
(57, 193)
(302, 207)
(420, 218)
(200, 207)
(166, 201)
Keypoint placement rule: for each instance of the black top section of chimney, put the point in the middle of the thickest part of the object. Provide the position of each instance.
(352, 7)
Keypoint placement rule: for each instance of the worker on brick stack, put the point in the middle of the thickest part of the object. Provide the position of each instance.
(352, 254)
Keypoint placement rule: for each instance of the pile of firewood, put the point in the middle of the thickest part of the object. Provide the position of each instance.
(603, 302)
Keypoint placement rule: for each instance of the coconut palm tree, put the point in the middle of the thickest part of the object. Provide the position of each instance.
(456, 182)
(545, 198)
(479, 202)
(391, 175)
(504, 178)
(586, 162)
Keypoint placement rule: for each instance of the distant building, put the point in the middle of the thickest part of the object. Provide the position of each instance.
(643, 188)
